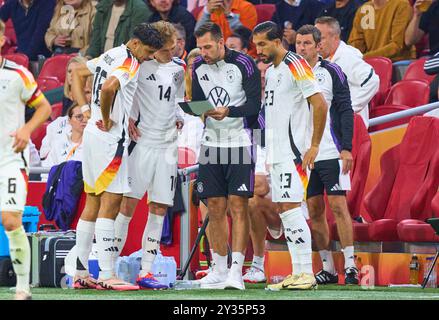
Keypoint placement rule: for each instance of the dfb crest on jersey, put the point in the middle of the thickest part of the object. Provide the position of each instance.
(279, 79)
(231, 76)
(4, 84)
(219, 96)
(320, 77)
(177, 77)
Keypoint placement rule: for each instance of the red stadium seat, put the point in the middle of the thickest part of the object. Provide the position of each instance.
(196, 11)
(361, 150)
(411, 93)
(435, 205)
(186, 157)
(416, 229)
(18, 58)
(10, 31)
(55, 67)
(48, 83)
(56, 110)
(385, 110)
(403, 171)
(415, 71)
(265, 12)
(383, 68)
(39, 134)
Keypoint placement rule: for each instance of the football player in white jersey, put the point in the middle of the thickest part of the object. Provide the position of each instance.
(290, 91)
(18, 89)
(105, 156)
(332, 165)
(152, 163)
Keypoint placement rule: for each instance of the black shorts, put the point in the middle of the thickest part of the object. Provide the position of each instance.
(325, 177)
(226, 171)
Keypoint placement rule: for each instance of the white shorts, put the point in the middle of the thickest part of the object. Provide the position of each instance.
(104, 165)
(153, 170)
(261, 157)
(13, 189)
(288, 182)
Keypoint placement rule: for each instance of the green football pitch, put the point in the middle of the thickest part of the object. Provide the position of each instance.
(253, 292)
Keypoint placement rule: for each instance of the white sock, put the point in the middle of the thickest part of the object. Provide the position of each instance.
(19, 249)
(327, 261)
(237, 263)
(105, 246)
(151, 241)
(349, 259)
(258, 262)
(121, 225)
(298, 238)
(85, 231)
(219, 263)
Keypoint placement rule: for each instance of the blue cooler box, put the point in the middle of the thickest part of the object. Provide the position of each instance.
(31, 216)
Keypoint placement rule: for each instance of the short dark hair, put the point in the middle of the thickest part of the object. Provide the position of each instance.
(148, 35)
(270, 28)
(244, 34)
(310, 29)
(209, 27)
(181, 32)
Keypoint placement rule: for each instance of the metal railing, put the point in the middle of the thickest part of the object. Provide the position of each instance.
(405, 113)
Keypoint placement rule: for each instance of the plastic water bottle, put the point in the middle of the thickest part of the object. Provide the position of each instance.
(159, 269)
(414, 270)
(135, 264)
(432, 281)
(186, 284)
(122, 269)
(171, 271)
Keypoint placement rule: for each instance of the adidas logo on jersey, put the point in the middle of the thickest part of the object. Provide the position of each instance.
(285, 195)
(205, 78)
(336, 188)
(151, 77)
(243, 188)
(11, 201)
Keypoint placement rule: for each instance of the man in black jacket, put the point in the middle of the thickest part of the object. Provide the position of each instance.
(331, 168)
(171, 11)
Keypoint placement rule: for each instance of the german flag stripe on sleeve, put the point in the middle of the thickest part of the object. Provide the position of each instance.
(130, 66)
(298, 66)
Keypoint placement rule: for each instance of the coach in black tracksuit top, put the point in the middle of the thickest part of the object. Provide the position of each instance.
(232, 83)
(330, 174)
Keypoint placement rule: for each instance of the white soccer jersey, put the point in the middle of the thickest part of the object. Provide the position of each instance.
(120, 63)
(160, 88)
(56, 129)
(287, 111)
(17, 89)
(233, 82)
(338, 132)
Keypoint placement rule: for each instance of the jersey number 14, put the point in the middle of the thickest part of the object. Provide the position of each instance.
(166, 95)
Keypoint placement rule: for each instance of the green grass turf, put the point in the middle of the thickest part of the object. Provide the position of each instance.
(253, 292)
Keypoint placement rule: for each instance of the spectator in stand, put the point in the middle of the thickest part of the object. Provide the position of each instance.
(229, 15)
(237, 43)
(171, 11)
(425, 20)
(379, 27)
(70, 28)
(68, 146)
(31, 19)
(68, 96)
(114, 23)
(362, 79)
(290, 15)
(180, 49)
(59, 127)
(344, 11)
(432, 67)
